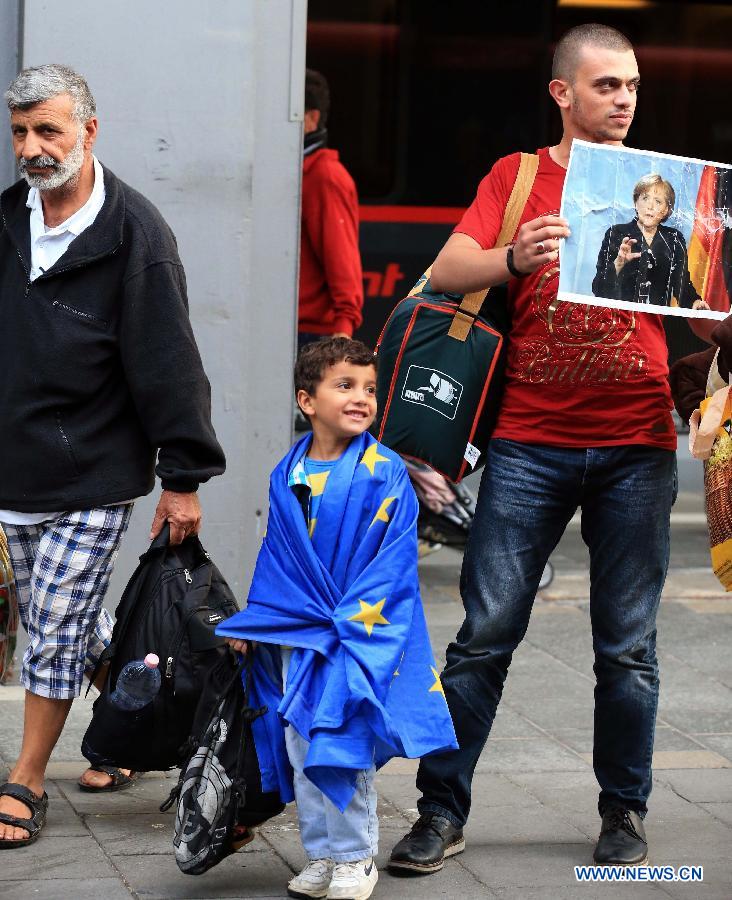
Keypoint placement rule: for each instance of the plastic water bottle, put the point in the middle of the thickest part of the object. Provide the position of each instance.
(137, 684)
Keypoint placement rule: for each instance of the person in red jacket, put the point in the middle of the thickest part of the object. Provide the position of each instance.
(331, 283)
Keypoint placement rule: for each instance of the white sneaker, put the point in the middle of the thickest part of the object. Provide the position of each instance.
(353, 880)
(313, 881)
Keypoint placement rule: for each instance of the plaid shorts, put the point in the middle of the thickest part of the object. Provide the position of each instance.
(62, 569)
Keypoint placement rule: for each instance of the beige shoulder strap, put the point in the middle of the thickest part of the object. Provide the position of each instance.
(471, 303)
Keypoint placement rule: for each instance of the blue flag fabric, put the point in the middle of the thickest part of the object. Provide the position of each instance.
(362, 685)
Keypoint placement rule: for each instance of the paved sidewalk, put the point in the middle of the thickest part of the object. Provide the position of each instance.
(534, 813)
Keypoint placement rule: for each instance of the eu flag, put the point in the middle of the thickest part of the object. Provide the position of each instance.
(363, 684)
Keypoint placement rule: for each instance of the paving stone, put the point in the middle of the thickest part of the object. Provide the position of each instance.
(510, 724)
(721, 743)
(488, 789)
(534, 755)
(721, 811)
(561, 696)
(454, 881)
(667, 738)
(239, 875)
(62, 820)
(705, 786)
(145, 796)
(689, 759)
(675, 846)
(682, 759)
(497, 827)
(69, 744)
(574, 798)
(56, 857)
(584, 892)
(569, 640)
(692, 702)
(125, 835)
(531, 865)
(65, 889)
(719, 890)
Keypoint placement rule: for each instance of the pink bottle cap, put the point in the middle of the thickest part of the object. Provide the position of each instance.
(152, 660)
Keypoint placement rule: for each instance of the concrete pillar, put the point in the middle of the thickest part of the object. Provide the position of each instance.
(200, 109)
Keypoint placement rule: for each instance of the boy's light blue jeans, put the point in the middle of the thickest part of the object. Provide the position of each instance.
(325, 831)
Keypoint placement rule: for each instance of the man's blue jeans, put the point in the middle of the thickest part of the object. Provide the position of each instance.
(528, 495)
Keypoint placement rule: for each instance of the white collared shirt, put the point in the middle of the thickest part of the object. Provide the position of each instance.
(48, 245)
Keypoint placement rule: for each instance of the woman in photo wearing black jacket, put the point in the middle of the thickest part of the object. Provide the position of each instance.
(644, 261)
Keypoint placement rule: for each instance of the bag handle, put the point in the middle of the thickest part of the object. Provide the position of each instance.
(471, 303)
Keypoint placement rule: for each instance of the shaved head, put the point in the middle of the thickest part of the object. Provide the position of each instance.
(568, 53)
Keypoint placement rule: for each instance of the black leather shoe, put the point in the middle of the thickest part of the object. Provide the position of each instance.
(622, 839)
(423, 850)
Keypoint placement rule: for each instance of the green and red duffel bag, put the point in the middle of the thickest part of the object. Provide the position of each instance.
(440, 379)
(442, 363)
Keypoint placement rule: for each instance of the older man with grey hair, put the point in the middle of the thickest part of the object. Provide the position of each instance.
(101, 380)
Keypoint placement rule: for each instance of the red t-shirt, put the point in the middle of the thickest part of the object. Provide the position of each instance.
(577, 375)
(331, 283)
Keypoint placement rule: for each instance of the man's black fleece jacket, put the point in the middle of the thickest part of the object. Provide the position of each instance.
(99, 369)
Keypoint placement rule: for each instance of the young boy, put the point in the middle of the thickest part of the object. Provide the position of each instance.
(343, 660)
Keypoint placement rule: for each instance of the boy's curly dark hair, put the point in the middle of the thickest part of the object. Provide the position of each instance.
(315, 358)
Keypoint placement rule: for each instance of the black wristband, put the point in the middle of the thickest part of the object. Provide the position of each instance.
(510, 264)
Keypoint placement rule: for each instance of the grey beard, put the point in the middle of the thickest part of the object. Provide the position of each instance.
(63, 174)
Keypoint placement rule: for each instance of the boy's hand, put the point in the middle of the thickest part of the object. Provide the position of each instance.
(240, 646)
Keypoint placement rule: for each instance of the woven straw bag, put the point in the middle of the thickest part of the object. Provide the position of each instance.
(710, 440)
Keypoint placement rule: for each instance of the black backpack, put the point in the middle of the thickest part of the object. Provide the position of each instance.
(220, 785)
(171, 607)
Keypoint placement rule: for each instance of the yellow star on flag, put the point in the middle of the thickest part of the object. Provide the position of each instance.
(311, 527)
(397, 672)
(370, 615)
(437, 686)
(381, 515)
(371, 457)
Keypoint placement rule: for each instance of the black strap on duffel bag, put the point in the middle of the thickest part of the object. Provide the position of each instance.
(219, 793)
(171, 606)
(442, 361)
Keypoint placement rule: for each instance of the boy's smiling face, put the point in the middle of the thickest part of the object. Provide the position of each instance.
(344, 403)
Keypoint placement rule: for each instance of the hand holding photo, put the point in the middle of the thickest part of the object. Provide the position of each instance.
(650, 232)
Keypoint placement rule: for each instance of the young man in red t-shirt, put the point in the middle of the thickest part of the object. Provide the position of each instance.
(585, 422)
(331, 282)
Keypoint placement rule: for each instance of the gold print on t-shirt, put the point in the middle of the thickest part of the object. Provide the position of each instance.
(584, 344)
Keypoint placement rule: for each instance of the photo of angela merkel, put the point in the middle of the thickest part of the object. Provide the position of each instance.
(645, 261)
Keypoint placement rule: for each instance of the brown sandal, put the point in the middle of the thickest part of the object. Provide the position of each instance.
(120, 781)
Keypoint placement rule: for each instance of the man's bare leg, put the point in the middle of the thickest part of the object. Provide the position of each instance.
(89, 776)
(43, 723)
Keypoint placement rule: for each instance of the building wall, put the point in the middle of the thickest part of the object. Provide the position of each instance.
(200, 109)
(9, 34)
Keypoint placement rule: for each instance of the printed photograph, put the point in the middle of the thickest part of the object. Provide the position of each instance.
(650, 232)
